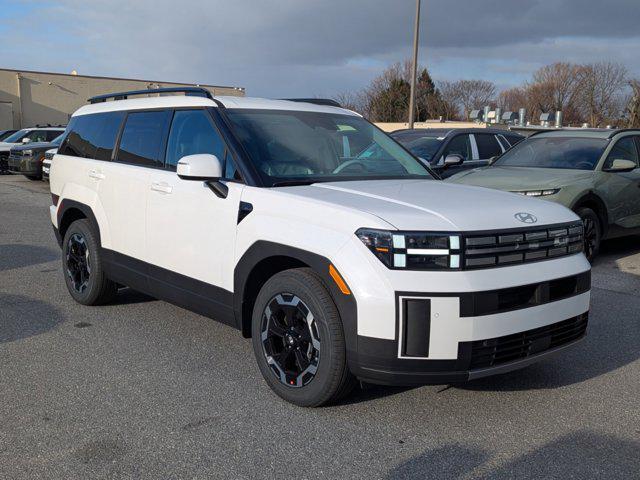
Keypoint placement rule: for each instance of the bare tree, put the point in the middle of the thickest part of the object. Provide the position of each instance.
(474, 94)
(450, 100)
(601, 88)
(633, 105)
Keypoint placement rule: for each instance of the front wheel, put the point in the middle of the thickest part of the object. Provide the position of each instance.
(592, 232)
(298, 339)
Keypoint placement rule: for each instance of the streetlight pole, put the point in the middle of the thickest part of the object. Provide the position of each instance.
(414, 67)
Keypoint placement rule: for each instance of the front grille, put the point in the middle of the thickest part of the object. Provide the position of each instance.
(501, 248)
(496, 351)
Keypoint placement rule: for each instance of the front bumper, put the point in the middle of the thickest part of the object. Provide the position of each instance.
(418, 327)
(24, 165)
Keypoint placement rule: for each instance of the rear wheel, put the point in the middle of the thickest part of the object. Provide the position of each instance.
(592, 232)
(298, 340)
(82, 266)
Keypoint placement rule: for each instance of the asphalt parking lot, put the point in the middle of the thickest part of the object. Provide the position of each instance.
(143, 389)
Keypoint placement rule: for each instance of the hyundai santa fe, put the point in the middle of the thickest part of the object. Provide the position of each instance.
(259, 213)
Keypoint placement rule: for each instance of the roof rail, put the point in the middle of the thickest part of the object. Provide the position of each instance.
(317, 101)
(188, 91)
(622, 130)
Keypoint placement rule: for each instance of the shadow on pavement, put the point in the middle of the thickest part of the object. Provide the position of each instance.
(23, 317)
(19, 255)
(582, 454)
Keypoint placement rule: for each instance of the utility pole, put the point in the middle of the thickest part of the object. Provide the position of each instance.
(414, 67)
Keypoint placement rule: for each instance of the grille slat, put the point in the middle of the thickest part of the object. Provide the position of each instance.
(500, 248)
(496, 351)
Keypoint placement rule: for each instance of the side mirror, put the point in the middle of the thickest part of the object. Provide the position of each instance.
(204, 167)
(26, 140)
(453, 160)
(622, 165)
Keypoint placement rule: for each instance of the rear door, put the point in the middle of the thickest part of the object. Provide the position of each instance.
(123, 184)
(190, 232)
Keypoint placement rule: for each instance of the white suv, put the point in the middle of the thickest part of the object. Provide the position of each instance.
(261, 214)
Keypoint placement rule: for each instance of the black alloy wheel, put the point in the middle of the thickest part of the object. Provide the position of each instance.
(290, 340)
(592, 232)
(78, 263)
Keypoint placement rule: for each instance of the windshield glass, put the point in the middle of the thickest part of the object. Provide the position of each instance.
(16, 137)
(577, 153)
(306, 147)
(424, 147)
(58, 140)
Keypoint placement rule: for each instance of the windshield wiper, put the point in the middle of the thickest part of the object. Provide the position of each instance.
(293, 183)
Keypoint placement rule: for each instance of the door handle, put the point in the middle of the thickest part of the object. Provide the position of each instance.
(95, 174)
(162, 187)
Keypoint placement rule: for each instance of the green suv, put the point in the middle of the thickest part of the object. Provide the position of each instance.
(593, 172)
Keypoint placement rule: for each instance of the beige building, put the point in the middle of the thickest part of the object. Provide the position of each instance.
(391, 127)
(38, 98)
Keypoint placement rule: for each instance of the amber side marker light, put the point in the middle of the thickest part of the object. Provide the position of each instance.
(339, 281)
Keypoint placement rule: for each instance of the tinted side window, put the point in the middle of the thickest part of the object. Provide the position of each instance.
(142, 138)
(513, 139)
(191, 133)
(459, 145)
(92, 136)
(624, 149)
(38, 136)
(488, 146)
(51, 134)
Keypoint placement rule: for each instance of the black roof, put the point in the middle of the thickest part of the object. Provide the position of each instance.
(443, 132)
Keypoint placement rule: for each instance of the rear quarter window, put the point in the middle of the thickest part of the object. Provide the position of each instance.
(92, 136)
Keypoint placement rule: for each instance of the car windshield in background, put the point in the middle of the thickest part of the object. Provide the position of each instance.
(58, 140)
(423, 147)
(16, 137)
(289, 147)
(574, 153)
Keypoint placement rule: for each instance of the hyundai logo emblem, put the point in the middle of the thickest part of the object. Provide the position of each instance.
(525, 217)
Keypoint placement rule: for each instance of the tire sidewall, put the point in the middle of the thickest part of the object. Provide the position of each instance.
(588, 213)
(92, 292)
(319, 389)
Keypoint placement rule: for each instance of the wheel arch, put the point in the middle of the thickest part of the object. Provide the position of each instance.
(595, 203)
(263, 260)
(70, 211)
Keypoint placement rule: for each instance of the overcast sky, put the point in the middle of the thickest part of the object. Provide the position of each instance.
(278, 48)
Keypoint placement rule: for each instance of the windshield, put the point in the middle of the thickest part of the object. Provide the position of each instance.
(424, 147)
(289, 147)
(16, 137)
(58, 140)
(577, 153)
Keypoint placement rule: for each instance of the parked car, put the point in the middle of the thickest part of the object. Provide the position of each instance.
(595, 173)
(449, 151)
(5, 133)
(24, 136)
(337, 267)
(28, 159)
(46, 163)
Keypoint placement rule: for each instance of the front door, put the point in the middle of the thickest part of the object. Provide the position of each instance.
(190, 231)
(623, 188)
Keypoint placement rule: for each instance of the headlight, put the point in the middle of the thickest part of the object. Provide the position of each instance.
(413, 250)
(538, 193)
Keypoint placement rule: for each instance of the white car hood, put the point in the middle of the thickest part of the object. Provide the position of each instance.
(436, 205)
(5, 147)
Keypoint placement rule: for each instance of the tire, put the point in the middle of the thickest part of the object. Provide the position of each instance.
(291, 296)
(592, 232)
(82, 266)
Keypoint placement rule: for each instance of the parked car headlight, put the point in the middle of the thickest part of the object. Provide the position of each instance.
(413, 250)
(538, 193)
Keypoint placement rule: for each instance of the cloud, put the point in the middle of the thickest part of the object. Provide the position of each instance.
(292, 47)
